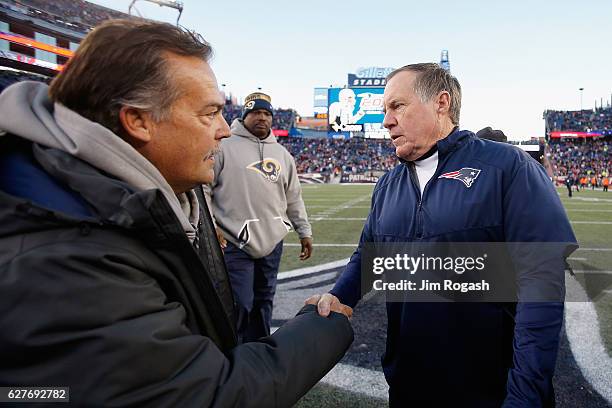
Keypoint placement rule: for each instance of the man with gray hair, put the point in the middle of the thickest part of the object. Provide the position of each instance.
(453, 187)
(113, 282)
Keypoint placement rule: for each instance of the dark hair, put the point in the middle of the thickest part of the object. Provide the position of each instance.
(432, 79)
(490, 134)
(122, 63)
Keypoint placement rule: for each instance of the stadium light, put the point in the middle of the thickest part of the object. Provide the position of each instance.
(444, 61)
(581, 89)
(177, 5)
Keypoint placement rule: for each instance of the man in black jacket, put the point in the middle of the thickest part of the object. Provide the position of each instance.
(112, 280)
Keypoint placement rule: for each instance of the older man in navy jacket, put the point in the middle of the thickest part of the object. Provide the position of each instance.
(454, 187)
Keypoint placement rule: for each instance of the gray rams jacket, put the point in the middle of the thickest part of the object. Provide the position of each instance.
(102, 291)
(255, 202)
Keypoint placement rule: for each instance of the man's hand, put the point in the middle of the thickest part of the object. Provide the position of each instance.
(221, 238)
(306, 248)
(327, 303)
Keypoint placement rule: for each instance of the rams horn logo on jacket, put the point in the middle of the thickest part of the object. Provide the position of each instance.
(269, 168)
(466, 175)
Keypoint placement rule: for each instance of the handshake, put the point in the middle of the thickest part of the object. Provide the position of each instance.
(329, 303)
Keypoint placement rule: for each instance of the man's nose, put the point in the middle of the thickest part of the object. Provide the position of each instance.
(225, 131)
(389, 121)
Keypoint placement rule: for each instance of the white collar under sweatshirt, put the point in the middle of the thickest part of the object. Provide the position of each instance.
(425, 170)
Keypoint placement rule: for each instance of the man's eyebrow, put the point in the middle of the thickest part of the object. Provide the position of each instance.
(217, 105)
(391, 103)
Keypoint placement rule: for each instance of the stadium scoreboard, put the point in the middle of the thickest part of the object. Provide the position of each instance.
(355, 110)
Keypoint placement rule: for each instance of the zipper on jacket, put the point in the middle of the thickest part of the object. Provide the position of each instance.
(197, 228)
(415, 182)
(196, 239)
(419, 215)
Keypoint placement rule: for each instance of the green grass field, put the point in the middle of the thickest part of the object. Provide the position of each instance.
(337, 213)
(325, 203)
(591, 215)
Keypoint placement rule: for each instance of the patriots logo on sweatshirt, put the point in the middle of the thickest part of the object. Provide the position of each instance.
(269, 168)
(466, 175)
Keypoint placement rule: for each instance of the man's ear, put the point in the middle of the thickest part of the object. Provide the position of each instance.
(443, 102)
(137, 124)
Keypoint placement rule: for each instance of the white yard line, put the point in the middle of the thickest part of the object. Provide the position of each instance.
(324, 199)
(341, 219)
(592, 222)
(369, 382)
(313, 269)
(588, 199)
(583, 210)
(319, 194)
(587, 271)
(582, 328)
(333, 210)
(362, 207)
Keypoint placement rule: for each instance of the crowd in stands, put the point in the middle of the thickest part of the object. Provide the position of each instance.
(588, 120)
(231, 112)
(585, 162)
(353, 156)
(282, 119)
(77, 15)
(9, 76)
(581, 159)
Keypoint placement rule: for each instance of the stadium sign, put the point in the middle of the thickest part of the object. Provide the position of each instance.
(369, 77)
(280, 132)
(320, 102)
(29, 60)
(356, 113)
(572, 135)
(358, 178)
